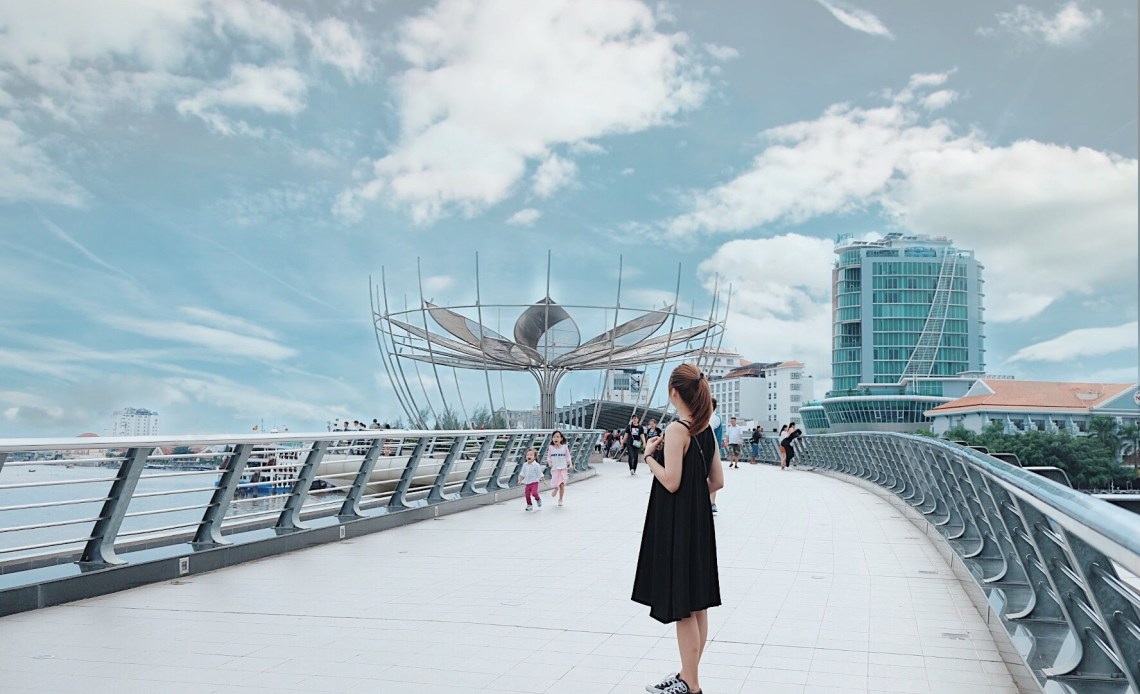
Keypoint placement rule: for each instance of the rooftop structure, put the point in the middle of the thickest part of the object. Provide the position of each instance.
(546, 342)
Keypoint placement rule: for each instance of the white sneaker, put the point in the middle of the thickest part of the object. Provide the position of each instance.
(528, 508)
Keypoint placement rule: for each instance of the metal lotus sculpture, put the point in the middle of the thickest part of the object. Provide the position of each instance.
(547, 343)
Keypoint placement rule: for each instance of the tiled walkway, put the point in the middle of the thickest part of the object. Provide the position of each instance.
(826, 589)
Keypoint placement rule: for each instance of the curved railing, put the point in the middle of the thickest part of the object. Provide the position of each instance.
(97, 503)
(1058, 566)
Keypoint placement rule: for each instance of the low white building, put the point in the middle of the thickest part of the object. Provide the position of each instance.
(135, 421)
(764, 394)
(716, 363)
(627, 386)
(1021, 406)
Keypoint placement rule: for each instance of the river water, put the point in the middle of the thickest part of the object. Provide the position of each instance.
(94, 483)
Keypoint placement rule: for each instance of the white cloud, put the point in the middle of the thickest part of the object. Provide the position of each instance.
(939, 99)
(493, 86)
(524, 217)
(27, 172)
(273, 90)
(856, 18)
(1079, 204)
(1083, 342)
(932, 179)
(226, 321)
(835, 163)
(628, 171)
(553, 174)
(213, 339)
(438, 283)
(1066, 28)
(340, 44)
(781, 298)
(722, 53)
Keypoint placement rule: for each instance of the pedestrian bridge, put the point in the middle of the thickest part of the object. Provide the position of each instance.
(896, 565)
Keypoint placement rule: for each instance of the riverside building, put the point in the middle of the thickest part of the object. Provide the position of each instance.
(907, 333)
(768, 395)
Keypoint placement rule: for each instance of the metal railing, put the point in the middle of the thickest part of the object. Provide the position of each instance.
(94, 501)
(1049, 559)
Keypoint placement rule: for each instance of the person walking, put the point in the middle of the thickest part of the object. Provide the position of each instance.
(787, 442)
(716, 425)
(634, 440)
(558, 459)
(677, 576)
(735, 436)
(531, 477)
(780, 446)
(757, 434)
(651, 430)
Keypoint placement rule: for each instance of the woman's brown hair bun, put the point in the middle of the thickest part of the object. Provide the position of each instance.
(693, 389)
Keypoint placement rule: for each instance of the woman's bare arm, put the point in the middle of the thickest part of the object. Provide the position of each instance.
(716, 473)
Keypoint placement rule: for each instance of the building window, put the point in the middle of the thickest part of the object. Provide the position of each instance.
(795, 386)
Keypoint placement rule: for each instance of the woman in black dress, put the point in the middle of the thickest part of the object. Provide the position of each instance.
(677, 569)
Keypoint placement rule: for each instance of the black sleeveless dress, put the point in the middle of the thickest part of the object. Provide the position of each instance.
(677, 568)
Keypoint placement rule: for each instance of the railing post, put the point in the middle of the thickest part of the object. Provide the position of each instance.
(493, 483)
(1105, 592)
(513, 480)
(210, 531)
(541, 455)
(437, 494)
(100, 548)
(473, 472)
(398, 502)
(290, 518)
(351, 506)
(3, 458)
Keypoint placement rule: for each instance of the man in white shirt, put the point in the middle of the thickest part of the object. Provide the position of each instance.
(735, 437)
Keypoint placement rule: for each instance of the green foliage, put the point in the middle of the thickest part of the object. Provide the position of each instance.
(1089, 462)
(483, 418)
(448, 420)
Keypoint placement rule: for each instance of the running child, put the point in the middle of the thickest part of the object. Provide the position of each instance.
(531, 476)
(558, 458)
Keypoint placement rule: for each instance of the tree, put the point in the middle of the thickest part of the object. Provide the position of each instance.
(1104, 429)
(448, 420)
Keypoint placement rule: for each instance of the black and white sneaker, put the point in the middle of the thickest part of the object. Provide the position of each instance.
(664, 684)
(679, 688)
(714, 508)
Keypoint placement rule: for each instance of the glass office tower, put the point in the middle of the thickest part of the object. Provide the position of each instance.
(907, 331)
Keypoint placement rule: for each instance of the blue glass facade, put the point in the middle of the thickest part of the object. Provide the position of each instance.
(907, 312)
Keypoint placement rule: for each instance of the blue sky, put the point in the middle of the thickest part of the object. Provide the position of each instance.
(195, 193)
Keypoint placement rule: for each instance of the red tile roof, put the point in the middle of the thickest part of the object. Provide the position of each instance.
(1037, 395)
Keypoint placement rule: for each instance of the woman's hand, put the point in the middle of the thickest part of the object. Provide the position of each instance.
(651, 447)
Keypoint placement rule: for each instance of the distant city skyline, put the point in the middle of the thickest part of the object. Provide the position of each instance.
(194, 194)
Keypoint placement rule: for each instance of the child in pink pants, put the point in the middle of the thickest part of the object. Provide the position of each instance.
(531, 476)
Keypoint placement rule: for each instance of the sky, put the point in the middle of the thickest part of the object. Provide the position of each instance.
(197, 195)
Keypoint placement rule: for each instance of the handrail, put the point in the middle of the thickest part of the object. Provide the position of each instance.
(267, 476)
(1045, 555)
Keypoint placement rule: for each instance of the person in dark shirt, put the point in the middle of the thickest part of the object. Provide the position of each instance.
(634, 440)
(787, 442)
(757, 434)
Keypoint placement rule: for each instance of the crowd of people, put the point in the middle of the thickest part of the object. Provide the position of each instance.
(356, 425)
